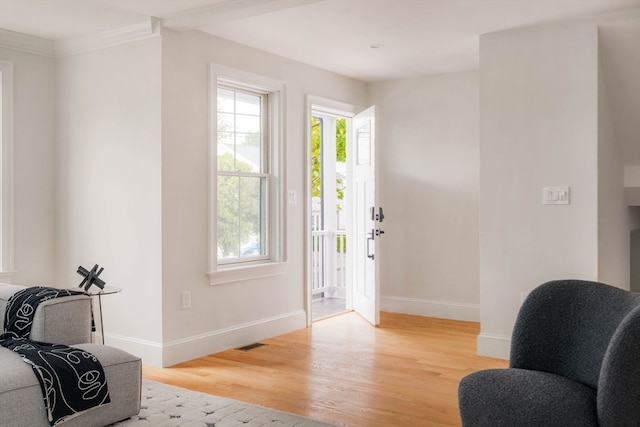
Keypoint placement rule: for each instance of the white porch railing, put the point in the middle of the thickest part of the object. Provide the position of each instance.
(328, 263)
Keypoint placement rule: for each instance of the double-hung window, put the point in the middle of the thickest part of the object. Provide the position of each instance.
(243, 175)
(246, 217)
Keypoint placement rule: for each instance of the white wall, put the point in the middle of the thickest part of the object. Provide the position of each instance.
(616, 219)
(618, 144)
(109, 185)
(550, 103)
(232, 314)
(34, 167)
(538, 115)
(429, 180)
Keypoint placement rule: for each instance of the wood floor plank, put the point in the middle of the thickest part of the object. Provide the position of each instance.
(344, 371)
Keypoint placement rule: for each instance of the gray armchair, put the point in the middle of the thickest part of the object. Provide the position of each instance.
(575, 361)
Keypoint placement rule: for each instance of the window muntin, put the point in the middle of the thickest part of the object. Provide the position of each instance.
(243, 176)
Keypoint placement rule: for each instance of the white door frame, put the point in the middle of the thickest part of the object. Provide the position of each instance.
(329, 106)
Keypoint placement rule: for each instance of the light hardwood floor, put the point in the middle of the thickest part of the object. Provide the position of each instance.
(346, 372)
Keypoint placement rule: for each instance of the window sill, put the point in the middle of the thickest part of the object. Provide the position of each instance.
(4, 274)
(241, 274)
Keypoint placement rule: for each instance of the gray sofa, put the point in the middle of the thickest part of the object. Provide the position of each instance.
(65, 321)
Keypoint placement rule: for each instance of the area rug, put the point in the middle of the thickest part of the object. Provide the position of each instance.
(166, 406)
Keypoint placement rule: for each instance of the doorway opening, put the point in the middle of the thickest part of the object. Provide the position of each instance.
(329, 215)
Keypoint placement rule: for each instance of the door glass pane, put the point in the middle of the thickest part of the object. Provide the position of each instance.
(363, 144)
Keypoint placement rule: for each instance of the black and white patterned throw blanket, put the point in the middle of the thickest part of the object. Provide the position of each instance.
(72, 380)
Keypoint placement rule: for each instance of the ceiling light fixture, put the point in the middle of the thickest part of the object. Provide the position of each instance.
(376, 46)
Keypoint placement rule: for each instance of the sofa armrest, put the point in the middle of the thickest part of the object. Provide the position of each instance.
(65, 320)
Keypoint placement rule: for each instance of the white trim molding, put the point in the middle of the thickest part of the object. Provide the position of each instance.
(6, 276)
(239, 335)
(74, 45)
(494, 345)
(6, 170)
(227, 273)
(431, 308)
(149, 351)
(161, 355)
(131, 33)
(26, 43)
(241, 274)
(331, 106)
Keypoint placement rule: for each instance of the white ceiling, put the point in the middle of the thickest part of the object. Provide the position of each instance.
(420, 37)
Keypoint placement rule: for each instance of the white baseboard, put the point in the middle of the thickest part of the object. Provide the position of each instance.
(174, 352)
(494, 345)
(431, 308)
(149, 351)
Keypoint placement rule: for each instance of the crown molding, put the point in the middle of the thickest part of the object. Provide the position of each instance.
(76, 45)
(26, 43)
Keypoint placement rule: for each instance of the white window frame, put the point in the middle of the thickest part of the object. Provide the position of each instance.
(6, 171)
(224, 272)
(264, 172)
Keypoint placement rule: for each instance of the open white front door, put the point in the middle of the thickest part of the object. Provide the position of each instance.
(366, 213)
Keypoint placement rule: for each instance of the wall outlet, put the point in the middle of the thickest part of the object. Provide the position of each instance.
(186, 300)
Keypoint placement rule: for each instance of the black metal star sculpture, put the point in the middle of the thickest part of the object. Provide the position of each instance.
(91, 277)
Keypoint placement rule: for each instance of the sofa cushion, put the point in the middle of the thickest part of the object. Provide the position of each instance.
(519, 397)
(18, 385)
(16, 374)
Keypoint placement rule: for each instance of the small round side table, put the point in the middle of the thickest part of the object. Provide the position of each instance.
(95, 291)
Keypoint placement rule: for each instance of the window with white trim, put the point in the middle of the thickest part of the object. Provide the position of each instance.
(246, 215)
(243, 175)
(6, 168)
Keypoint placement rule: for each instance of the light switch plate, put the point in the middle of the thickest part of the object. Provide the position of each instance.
(556, 195)
(292, 197)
